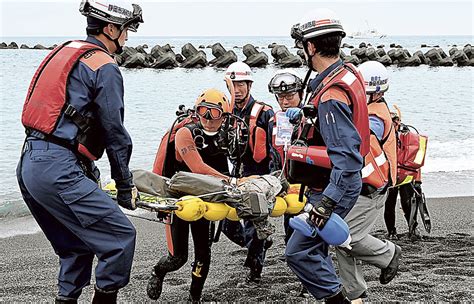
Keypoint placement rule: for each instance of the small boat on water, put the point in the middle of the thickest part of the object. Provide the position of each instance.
(367, 34)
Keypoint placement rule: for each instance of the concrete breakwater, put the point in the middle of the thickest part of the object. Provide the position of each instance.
(397, 55)
(164, 57)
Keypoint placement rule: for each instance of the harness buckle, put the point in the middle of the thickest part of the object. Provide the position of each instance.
(26, 147)
(70, 110)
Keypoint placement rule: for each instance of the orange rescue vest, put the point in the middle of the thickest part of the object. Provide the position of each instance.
(165, 160)
(258, 136)
(47, 96)
(380, 167)
(349, 79)
(310, 165)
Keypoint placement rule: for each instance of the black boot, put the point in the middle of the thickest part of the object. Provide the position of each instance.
(155, 285)
(64, 300)
(338, 298)
(194, 299)
(392, 234)
(104, 297)
(388, 273)
(303, 292)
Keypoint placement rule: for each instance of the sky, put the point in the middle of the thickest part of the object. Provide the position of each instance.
(244, 18)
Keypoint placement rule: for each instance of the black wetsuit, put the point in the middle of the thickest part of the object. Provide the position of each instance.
(406, 193)
(177, 233)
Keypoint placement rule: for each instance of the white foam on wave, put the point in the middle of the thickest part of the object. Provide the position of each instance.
(27, 225)
(450, 156)
(18, 226)
(448, 184)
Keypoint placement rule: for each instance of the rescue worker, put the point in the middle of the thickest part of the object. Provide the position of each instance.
(255, 161)
(74, 110)
(196, 149)
(338, 102)
(362, 217)
(407, 191)
(287, 86)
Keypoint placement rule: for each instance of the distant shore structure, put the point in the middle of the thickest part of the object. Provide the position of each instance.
(369, 33)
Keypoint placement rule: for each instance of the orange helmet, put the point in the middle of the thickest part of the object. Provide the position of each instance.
(212, 99)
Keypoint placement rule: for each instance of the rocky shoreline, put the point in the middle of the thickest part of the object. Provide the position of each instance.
(164, 57)
(438, 268)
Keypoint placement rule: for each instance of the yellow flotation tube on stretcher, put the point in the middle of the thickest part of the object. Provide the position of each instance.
(191, 208)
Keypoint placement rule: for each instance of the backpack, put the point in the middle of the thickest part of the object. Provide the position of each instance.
(411, 153)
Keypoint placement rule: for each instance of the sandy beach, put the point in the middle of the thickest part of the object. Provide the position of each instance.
(438, 268)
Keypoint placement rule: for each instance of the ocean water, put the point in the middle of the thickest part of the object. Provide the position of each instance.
(438, 101)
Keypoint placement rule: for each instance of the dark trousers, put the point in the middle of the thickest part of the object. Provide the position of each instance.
(406, 193)
(246, 236)
(177, 235)
(309, 257)
(79, 219)
(287, 227)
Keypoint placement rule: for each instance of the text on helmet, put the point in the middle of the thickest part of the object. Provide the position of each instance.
(377, 81)
(316, 23)
(119, 10)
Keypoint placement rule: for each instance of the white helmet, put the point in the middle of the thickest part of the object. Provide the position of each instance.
(239, 71)
(316, 23)
(375, 76)
(121, 13)
(285, 81)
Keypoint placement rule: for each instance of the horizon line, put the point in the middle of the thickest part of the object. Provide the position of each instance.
(233, 36)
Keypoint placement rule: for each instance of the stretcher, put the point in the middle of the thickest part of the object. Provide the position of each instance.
(193, 196)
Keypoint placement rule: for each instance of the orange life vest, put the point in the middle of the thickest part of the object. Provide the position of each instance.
(47, 96)
(258, 136)
(165, 160)
(349, 79)
(380, 167)
(310, 165)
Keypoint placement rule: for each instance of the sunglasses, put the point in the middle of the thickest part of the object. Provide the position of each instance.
(287, 96)
(209, 112)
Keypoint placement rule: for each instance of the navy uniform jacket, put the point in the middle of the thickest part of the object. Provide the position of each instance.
(100, 93)
(342, 141)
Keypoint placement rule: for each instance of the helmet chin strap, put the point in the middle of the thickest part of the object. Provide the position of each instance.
(309, 61)
(118, 47)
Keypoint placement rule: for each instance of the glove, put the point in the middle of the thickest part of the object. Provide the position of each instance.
(321, 212)
(128, 198)
(294, 114)
(127, 194)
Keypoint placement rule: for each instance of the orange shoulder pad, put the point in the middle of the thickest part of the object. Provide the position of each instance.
(336, 93)
(267, 107)
(96, 59)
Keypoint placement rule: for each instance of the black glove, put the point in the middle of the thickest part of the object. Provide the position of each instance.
(127, 194)
(321, 212)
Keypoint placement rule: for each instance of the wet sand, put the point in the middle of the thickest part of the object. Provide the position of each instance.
(440, 267)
